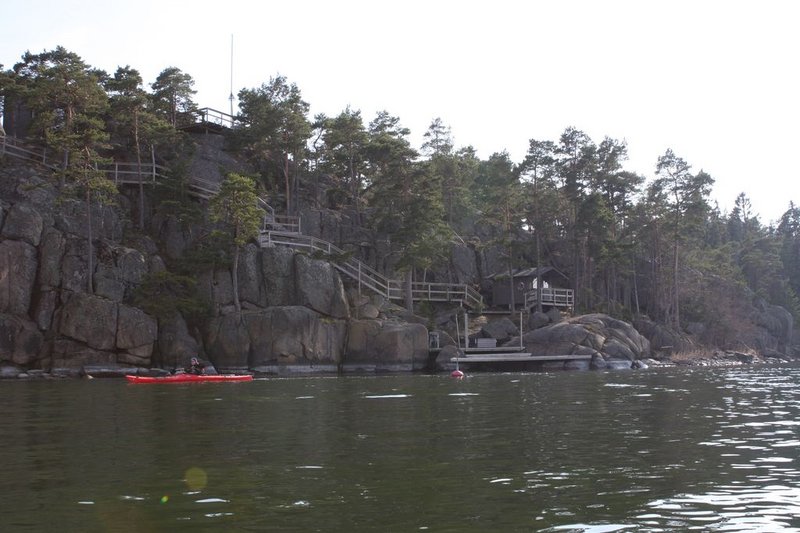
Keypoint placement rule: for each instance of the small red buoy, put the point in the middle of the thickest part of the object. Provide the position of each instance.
(458, 374)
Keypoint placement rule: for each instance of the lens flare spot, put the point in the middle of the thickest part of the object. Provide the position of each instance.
(164, 498)
(196, 478)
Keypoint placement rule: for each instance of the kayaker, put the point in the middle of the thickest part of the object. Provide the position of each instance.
(196, 367)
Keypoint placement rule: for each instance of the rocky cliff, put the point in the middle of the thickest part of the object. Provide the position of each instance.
(297, 314)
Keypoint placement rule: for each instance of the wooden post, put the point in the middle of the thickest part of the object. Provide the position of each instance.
(153, 160)
(466, 331)
(458, 334)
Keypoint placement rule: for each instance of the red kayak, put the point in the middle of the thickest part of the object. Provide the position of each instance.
(188, 378)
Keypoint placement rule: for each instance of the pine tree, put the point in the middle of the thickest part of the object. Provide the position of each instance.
(132, 117)
(407, 200)
(345, 139)
(684, 196)
(504, 205)
(68, 103)
(235, 205)
(172, 96)
(275, 130)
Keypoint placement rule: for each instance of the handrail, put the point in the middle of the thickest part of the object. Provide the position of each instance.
(355, 269)
(15, 148)
(329, 248)
(118, 172)
(121, 172)
(285, 229)
(371, 278)
(214, 116)
(282, 223)
(551, 296)
(442, 292)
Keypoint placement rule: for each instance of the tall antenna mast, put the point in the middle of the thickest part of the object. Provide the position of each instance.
(231, 96)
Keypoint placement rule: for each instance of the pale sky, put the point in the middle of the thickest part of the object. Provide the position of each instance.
(716, 81)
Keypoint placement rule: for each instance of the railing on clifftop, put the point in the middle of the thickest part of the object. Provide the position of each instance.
(118, 172)
(208, 115)
(38, 154)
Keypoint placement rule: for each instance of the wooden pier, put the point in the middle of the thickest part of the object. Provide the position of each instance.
(486, 352)
(515, 357)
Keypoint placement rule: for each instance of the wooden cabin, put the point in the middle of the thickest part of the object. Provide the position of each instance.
(554, 291)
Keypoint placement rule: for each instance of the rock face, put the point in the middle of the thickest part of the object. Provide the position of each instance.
(20, 340)
(502, 330)
(292, 335)
(295, 335)
(608, 340)
(176, 345)
(777, 324)
(23, 223)
(320, 288)
(387, 345)
(51, 254)
(47, 319)
(538, 320)
(251, 283)
(444, 358)
(18, 267)
(296, 311)
(465, 268)
(91, 320)
(136, 335)
(662, 339)
(119, 271)
(277, 272)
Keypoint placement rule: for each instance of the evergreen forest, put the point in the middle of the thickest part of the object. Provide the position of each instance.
(629, 244)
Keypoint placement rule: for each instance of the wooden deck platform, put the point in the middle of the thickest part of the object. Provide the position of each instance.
(495, 349)
(516, 358)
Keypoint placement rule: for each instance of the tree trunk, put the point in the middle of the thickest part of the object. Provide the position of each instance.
(512, 301)
(63, 174)
(89, 236)
(675, 299)
(409, 296)
(635, 286)
(235, 279)
(538, 275)
(353, 184)
(286, 180)
(139, 167)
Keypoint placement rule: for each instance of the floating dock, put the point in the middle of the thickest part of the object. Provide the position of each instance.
(485, 351)
(510, 354)
(516, 358)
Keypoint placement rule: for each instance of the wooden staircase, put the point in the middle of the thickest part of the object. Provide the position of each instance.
(365, 276)
(277, 230)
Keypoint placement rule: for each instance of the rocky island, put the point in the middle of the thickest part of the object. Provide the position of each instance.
(119, 254)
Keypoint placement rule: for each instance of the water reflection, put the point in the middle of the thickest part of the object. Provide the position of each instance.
(754, 484)
(664, 450)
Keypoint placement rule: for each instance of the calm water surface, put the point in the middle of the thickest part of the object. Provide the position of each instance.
(661, 450)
